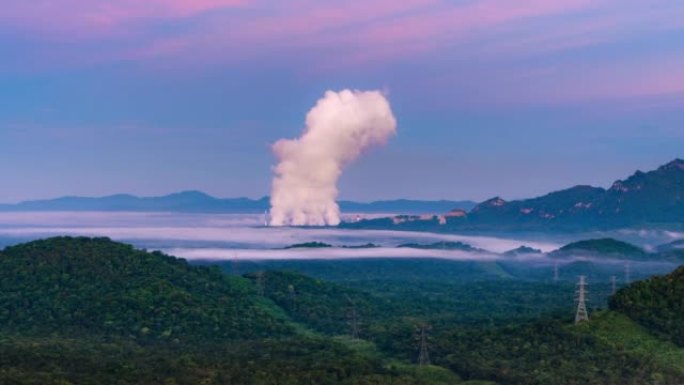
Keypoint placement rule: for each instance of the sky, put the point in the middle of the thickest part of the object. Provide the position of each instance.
(492, 97)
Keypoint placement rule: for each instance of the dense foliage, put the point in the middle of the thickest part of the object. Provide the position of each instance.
(323, 306)
(603, 246)
(93, 311)
(76, 286)
(657, 303)
(484, 329)
(378, 269)
(547, 351)
(289, 361)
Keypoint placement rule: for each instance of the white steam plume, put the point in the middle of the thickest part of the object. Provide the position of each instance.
(338, 129)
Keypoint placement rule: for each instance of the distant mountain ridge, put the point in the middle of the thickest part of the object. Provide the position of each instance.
(199, 202)
(186, 201)
(645, 198)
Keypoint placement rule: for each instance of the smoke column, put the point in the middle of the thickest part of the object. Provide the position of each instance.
(339, 128)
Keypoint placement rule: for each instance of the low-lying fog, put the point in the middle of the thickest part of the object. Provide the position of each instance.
(239, 236)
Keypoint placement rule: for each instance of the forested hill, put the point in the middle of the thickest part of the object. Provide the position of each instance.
(77, 286)
(93, 311)
(603, 247)
(656, 303)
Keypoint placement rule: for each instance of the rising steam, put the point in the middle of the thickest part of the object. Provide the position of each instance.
(338, 129)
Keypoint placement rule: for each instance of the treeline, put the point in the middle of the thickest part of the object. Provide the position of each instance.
(93, 311)
(492, 330)
(85, 286)
(656, 303)
(288, 361)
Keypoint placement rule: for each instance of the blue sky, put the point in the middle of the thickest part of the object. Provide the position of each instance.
(492, 97)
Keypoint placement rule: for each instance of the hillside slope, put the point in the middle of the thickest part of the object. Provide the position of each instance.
(90, 311)
(622, 333)
(94, 286)
(606, 247)
(93, 311)
(322, 306)
(656, 303)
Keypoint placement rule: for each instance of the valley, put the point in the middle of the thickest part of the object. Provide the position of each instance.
(91, 311)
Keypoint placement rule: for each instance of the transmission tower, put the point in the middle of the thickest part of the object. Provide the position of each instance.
(234, 264)
(613, 285)
(353, 320)
(581, 314)
(260, 282)
(293, 296)
(627, 274)
(423, 349)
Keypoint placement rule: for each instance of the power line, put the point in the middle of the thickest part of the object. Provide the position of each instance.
(234, 264)
(423, 350)
(292, 294)
(260, 282)
(353, 320)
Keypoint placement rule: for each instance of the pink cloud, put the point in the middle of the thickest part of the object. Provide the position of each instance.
(385, 22)
(609, 23)
(99, 18)
(358, 28)
(457, 22)
(336, 36)
(357, 32)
